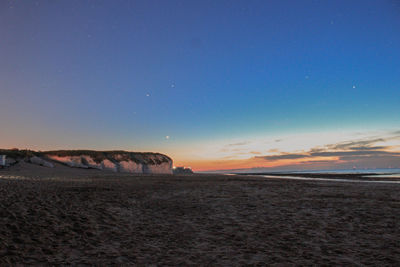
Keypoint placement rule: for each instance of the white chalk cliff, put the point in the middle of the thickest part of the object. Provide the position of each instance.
(116, 161)
(41, 162)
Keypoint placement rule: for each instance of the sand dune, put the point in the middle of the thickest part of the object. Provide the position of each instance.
(91, 217)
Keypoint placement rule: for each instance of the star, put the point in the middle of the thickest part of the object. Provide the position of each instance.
(167, 137)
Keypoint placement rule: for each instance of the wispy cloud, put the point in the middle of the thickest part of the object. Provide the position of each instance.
(238, 144)
(352, 144)
(353, 151)
(359, 148)
(284, 156)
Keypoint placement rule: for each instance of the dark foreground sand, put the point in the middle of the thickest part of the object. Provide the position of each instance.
(103, 219)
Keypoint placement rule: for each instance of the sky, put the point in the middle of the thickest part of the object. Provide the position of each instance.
(213, 84)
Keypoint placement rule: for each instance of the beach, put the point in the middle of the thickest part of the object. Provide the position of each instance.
(88, 217)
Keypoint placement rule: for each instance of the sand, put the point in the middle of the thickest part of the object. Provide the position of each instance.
(86, 217)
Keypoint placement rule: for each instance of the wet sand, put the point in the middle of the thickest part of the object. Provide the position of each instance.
(86, 217)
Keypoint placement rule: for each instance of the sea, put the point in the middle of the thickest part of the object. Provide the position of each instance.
(387, 176)
(351, 171)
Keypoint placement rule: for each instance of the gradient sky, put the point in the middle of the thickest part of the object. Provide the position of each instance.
(213, 84)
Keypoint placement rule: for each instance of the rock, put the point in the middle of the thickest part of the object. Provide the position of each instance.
(74, 161)
(109, 165)
(90, 163)
(41, 162)
(130, 167)
(162, 168)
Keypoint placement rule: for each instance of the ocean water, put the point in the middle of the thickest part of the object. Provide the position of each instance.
(352, 171)
(382, 173)
(395, 181)
(389, 175)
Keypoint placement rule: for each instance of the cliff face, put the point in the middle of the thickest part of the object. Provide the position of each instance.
(116, 161)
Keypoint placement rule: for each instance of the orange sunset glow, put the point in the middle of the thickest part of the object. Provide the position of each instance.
(215, 165)
(324, 150)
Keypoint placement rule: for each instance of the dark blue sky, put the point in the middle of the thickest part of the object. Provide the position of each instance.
(126, 74)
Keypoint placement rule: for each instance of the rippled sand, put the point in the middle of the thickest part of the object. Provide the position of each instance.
(87, 217)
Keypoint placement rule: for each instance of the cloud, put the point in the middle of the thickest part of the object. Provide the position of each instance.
(369, 148)
(238, 144)
(329, 154)
(352, 153)
(283, 156)
(351, 144)
(357, 151)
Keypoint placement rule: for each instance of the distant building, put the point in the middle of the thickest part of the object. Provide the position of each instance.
(182, 170)
(2, 160)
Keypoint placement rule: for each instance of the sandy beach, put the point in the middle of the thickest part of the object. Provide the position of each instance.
(88, 217)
